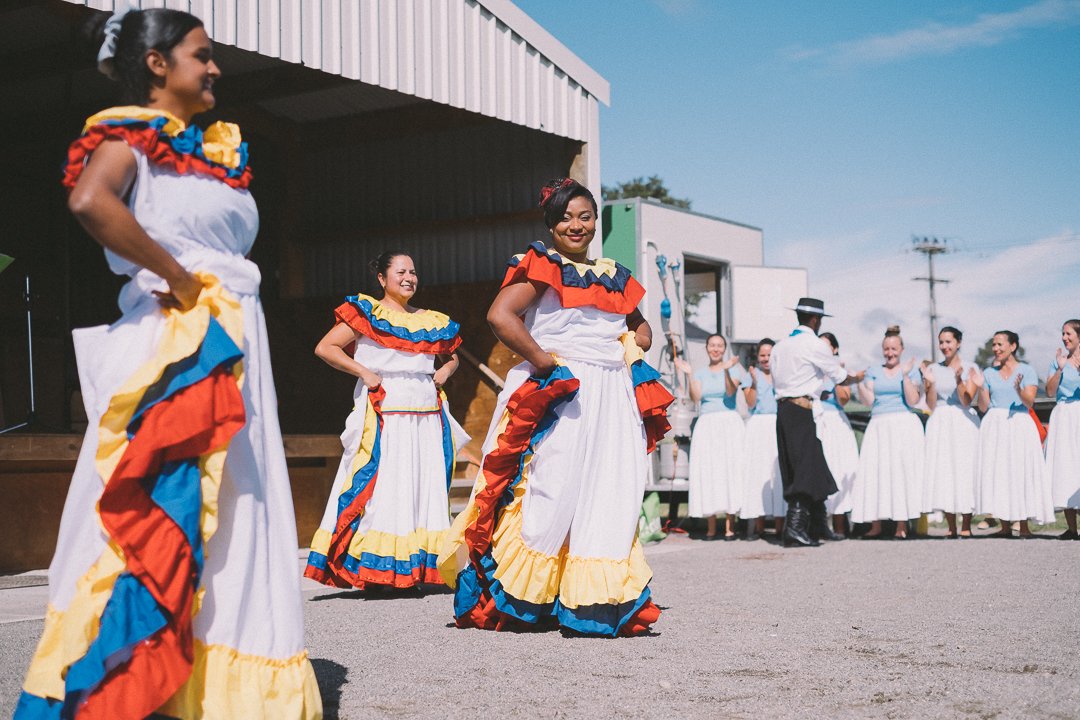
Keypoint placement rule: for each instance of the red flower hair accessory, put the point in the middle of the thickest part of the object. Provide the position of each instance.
(548, 190)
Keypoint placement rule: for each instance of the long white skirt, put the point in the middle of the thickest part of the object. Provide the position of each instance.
(1013, 484)
(249, 629)
(890, 470)
(716, 464)
(842, 455)
(1063, 455)
(952, 455)
(764, 492)
(397, 539)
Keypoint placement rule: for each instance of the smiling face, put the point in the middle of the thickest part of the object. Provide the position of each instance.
(891, 349)
(399, 281)
(1069, 338)
(764, 353)
(1002, 348)
(948, 345)
(715, 347)
(187, 74)
(575, 231)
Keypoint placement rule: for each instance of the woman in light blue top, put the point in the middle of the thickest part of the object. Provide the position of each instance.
(1063, 440)
(891, 464)
(764, 492)
(716, 446)
(952, 435)
(1012, 485)
(838, 443)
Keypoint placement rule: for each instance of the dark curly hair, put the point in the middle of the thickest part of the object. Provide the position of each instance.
(556, 195)
(140, 32)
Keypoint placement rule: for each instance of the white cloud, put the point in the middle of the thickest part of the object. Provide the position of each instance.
(937, 39)
(1027, 289)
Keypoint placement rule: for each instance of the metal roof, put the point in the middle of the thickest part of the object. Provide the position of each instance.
(484, 56)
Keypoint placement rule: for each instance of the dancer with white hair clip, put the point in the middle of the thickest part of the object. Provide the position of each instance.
(174, 589)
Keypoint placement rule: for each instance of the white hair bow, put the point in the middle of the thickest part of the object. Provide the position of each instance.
(107, 52)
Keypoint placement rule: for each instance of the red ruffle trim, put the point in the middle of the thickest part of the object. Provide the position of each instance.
(546, 270)
(653, 400)
(348, 314)
(157, 151)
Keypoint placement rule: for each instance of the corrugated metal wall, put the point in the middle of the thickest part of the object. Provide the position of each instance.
(454, 52)
(457, 199)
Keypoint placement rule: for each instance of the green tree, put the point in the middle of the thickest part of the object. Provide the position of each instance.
(653, 187)
(985, 356)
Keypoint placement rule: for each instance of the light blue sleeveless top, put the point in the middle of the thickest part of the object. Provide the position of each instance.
(1069, 387)
(766, 396)
(889, 391)
(714, 397)
(1002, 392)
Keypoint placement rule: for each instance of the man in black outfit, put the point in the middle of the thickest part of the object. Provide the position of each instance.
(801, 364)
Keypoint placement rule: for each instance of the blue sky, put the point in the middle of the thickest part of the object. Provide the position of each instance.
(843, 128)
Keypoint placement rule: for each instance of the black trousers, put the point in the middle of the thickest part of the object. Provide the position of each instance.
(803, 469)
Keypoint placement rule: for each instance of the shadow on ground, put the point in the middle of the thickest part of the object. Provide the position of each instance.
(331, 677)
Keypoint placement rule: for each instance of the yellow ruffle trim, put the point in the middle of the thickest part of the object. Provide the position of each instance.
(530, 575)
(226, 683)
(411, 321)
(399, 547)
(221, 141)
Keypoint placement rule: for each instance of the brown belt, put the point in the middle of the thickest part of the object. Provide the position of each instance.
(803, 401)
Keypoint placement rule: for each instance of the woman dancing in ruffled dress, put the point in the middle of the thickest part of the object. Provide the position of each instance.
(174, 589)
(389, 508)
(550, 534)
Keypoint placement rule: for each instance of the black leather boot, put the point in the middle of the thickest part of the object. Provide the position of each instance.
(819, 523)
(795, 526)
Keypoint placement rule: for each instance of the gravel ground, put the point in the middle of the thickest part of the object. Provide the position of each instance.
(981, 628)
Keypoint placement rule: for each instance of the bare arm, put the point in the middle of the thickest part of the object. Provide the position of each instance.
(979, 390)
(449, 367)
(504, 317)
(694, 384)
(911, 392)
(843, 394)
(866, 392)
(97, 203)
(750, 393)
(730, 385)
(1054, 380)
(930, 386)
(331, 350)
(636, 322)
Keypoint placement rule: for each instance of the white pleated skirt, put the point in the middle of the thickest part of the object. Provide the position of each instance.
(1063, 455)
(1012, 479)
(763, 490)
(952, 455)
(842, 455)
(716, 464)
(890, 470)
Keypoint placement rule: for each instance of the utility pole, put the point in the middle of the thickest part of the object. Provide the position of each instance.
(931, 246)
